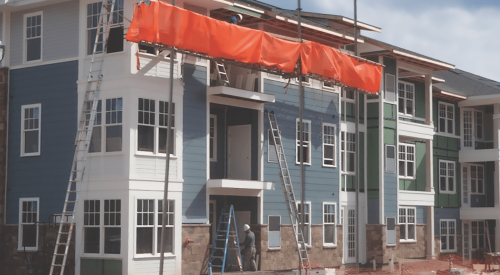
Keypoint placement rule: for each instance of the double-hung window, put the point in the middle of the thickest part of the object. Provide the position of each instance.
(329, 224)
(448, 235)
(307, 220)
(348, 152)
(102, 226)
(446, 115)
(148, 227)
(30, 129)
(329, 141)
(33, 36)
(407, 161)
(91, 226)
(306, 141)
(28, 223)
(406, 94)
(152, 126)
(447, 177)
(115, 39)
(111, 126)
(407, 224)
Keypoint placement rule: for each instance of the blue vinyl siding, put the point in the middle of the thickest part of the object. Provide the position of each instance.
(194, 144)
(45, 176)
(322, 183)
(446, 213)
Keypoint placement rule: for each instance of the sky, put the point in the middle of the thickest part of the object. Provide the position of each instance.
(465, 33)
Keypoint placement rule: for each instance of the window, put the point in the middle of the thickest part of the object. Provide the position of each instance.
(406, 92)
(407, 161)
(213, 138)
(390, 159)
(390, 87)
(407, 222)
(448, 235)
(95, 141)
(476, 179)
(348, 152)
(473, 127)
(306, 141)
(347, 105)
(274, 236)
(477, 235)
(447, 177)
(114, 107)
(152, 135)
(446, 114)
(33, 36)
(30, 129)
(307, 220)
(149, 224)
(115, 39)
(109, 227)
(28, 223)
(329, 136)
(329, 226)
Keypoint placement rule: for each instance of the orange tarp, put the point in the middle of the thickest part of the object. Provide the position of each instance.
(164, 24)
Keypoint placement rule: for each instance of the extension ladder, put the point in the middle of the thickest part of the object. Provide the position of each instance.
(82, 140)
(225, 229)
(221, 71)
(288, 191)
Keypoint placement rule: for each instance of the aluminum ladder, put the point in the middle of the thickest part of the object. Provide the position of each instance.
(82, 140)
(221, 71)
(226, 228)
(288, 192)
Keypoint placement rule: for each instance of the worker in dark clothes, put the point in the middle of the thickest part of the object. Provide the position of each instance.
(235, 19)
(248, 253)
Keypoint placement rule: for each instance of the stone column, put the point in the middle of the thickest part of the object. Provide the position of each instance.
(430, 233)
(428, 99)
(429, 186)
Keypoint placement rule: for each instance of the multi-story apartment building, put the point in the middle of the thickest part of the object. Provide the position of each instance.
(222, 154)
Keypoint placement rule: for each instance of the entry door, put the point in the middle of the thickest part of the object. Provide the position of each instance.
(239, 152)
(350, 234)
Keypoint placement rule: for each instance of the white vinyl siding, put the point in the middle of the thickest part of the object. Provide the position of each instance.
(306, 141)
(447, 177)
(29, 209)
(33, 29)
(446, 118)
(448, 235)
(329, 225)
(274, 235)
(408, 224)
(31, 129)
(406, 95)
(329, 148)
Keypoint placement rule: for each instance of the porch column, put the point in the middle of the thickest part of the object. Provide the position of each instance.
(429, 186)
(428, 99)
(430, 233)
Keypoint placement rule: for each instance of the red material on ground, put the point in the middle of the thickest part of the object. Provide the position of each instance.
(164, 24)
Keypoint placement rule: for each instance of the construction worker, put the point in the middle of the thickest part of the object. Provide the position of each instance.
(235, 19)
(248, 253)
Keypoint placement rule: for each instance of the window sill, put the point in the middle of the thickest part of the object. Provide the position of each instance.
(273, 248)
(28, 249)
(305, 163)
(406, 178)
(408, 241)
(329, 166)
(30, 155)
(329, 246)
(390, 244)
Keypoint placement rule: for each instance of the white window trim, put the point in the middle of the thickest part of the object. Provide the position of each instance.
(469, 165)
(25, 44)
(395, 159)
(446, 104)
(344, 159)
(447, 176)
(39, 106)
(334, 144)
(309, 144)
(20, 223)
(448, 234)
(273, 247)
(308, 224)
(408, 240)
(113, 25)
(334, 244)
(413, 100)
(214, 159)
(406, 160)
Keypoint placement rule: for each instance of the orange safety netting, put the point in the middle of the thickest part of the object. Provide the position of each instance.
(164, 24)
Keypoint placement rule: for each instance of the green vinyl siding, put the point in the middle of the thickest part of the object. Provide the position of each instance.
(446, 148)
(390, 136)
(390, 111)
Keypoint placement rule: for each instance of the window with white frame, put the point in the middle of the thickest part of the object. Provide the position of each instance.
(148, 227)
(476, 179)
(112, 226)
(407, 161)
(163, 124)
(115, 38)
(31, 129)
(390, 159)
(477, 234)
(406, 94)
(448, 235)
(447, 177)
(407, 224)
(329, 225)
(329, 140)
(33, 36)
(28, 223)
(446, 118)
(91, 226)
(102, 226)
(348, 152)
(213, 138)
(307, 220)
(112, 139)
(390, 87)
(274, 235)
(306, 141)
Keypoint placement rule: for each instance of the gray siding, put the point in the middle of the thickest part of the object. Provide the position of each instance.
(421, 214)
(322, 183)
(45, 176)
(59, 32)
(194, 144)
(446, 213)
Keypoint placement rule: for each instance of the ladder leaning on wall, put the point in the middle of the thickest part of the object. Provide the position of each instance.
(288, 192)
(83, 137)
